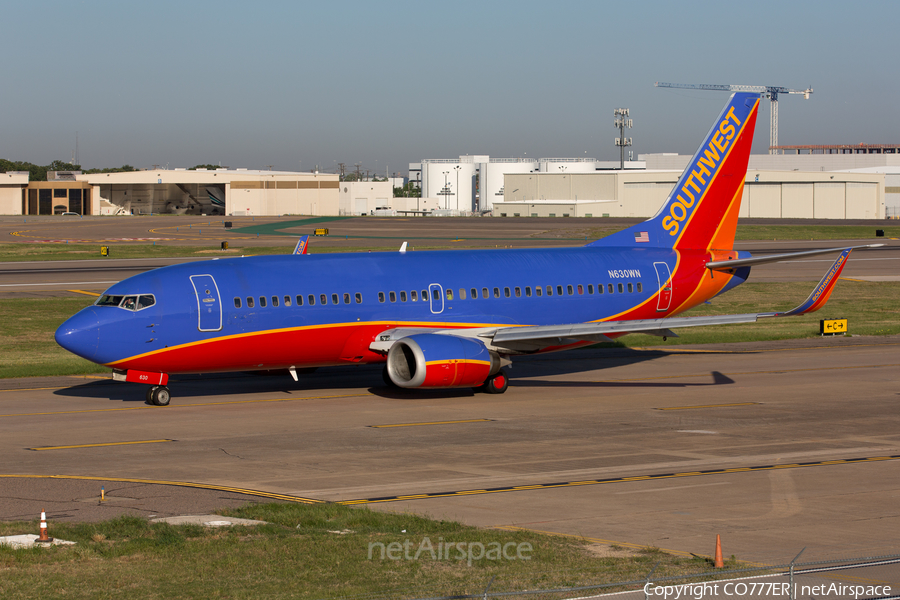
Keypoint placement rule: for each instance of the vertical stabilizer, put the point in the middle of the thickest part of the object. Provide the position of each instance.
(701, 211)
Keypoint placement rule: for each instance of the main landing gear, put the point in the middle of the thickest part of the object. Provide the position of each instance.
(158, 395)
(495, 384)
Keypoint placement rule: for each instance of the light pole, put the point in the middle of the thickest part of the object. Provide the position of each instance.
(457, 168)
(445, 192)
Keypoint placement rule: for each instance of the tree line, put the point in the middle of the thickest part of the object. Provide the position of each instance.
(39, 172)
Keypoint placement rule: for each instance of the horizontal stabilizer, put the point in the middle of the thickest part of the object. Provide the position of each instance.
(727, 265)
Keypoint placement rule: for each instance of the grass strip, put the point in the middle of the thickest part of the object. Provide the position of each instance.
(27, 345)
(305, 551)
(870, 307)
(42, 252)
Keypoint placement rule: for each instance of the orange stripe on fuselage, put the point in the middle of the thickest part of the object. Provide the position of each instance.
(312, 345)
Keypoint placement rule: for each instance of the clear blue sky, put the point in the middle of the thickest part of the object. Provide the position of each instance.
(295, 84)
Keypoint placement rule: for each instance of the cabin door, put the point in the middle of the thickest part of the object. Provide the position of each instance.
(436, 293)
(664, 278)
(209, 305)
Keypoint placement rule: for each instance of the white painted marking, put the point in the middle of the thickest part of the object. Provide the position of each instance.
(46, 284)
(675, 487)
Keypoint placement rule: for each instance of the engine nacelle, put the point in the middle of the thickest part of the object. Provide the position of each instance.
(432, 360)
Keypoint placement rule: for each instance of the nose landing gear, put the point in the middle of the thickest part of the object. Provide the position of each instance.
(158, 395)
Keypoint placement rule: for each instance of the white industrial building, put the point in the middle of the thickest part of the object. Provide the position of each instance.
(473, 183)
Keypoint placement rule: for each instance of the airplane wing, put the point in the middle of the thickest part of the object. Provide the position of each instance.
(536, 337)
(531, 338)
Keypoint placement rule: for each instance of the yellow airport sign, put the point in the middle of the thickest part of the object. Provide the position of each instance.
(321, 232)
(833, 326)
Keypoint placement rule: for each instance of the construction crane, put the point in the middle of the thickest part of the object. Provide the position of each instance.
(770, 91)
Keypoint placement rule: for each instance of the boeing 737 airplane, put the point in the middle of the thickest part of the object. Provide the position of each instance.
(441, 319)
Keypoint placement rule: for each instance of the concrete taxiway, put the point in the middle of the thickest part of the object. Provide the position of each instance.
(775, 446)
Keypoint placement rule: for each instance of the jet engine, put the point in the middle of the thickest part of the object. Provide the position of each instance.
(432, 360)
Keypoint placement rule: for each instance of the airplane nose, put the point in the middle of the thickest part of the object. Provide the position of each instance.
(80, 334)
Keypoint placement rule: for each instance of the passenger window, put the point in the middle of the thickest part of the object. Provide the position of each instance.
(287, 300)
(414, 296)
(538, 290)
(580, 289)
(496, 292)
(640, 288)
(473, 293)
(393, 296)
(299, 300)
(569, 290)
(403, 296)
(528, 291)
(484, 293)
(621, 288)
(334, 299)
(549, 290)
(630, 288)
(274, 300)
(609, 287)
(462, 293)
(346, 298)
(506, 292)
(249, 301)
(323, 299)
(559, 290)
(262, 301)
(358, 298)
(312, 299)
(449, 294)
(237, 302)
(518, 291)
(381, 296)
(424, 295)
(147, 300)
(590, 288)
(600, 288)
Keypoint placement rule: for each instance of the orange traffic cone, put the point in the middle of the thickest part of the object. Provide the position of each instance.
(44, 538)
(719, 563)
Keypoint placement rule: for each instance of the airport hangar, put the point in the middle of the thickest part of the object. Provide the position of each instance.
(180, 191)
(824, 186)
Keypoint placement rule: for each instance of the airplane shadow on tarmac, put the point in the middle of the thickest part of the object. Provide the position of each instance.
(368, 377)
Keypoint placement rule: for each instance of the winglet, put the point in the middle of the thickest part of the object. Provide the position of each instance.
(302, 245)
(820, 295)
(403, 248)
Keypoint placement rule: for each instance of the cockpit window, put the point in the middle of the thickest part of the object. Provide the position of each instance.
(133, 303)
(107, 300)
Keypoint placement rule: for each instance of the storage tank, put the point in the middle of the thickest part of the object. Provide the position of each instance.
(453, 181)
(492, 174)
(568, 165)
